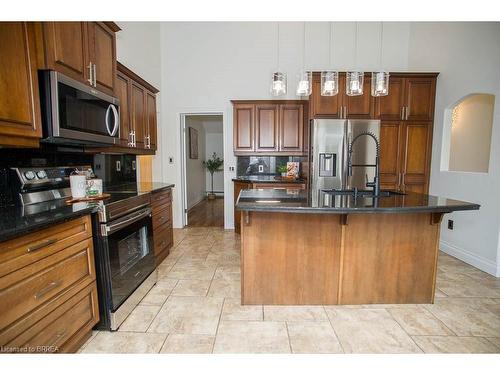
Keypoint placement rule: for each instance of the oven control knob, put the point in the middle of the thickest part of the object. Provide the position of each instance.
(30, 175)
(41, 175)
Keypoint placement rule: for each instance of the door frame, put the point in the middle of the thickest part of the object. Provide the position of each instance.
(183, 139)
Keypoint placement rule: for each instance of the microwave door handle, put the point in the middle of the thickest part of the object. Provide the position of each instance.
(112, 108)
(116, 116)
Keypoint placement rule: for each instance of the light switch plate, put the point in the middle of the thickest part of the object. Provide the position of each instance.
(171, 160)
(261, 168)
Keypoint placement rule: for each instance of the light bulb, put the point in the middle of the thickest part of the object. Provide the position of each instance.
(278, 84)
(380, 83)
(354, 83)
(304, 87)
(329, 83)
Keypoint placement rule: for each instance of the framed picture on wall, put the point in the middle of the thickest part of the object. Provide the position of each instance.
(193, 143)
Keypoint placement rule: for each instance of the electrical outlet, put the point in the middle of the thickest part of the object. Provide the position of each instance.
(261, 168)
(171, 159)
(231, 169)
(450, 224)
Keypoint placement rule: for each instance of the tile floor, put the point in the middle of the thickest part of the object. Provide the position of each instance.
(195, 308)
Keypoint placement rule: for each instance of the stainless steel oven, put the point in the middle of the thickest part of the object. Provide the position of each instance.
(74, 113)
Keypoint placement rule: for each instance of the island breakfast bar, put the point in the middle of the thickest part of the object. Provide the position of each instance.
(353, 250)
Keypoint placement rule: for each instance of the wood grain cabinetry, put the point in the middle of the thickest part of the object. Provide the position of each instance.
(239, 186)
(162, 224)
(20, 120)
(341, 106)
(270, 127)
(48, 293)
(85, 51)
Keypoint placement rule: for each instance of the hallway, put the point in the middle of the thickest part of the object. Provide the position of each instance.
(207, 213)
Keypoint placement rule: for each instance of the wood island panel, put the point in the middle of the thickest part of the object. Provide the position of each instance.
(290, 259)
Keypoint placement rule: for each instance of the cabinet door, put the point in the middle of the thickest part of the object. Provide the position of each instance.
(362, 106)
(243, 127)
(325, 106)
(137, 102)
(390, 107)
(122, 92)
(151, 119)
(291, 127)
(266, 127)
(416, 151)
(102, 47)
(390, 154)
(66, 49)
(419, 98)
(19, 103)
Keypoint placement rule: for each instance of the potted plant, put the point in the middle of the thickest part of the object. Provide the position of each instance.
(282, 169)
(213, 165)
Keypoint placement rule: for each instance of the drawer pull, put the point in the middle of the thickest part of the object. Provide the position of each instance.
(41, 245)
(52, 285)
(58, 337)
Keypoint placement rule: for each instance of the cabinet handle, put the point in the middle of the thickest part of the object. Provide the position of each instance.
(402, 113)
(52, 285)
(95, 75)
(341, 109)
(407, 112)
(90, 79)
(345, 112)
(41, 245)
(399, 181)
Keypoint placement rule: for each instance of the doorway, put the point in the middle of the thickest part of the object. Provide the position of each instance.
(202, 154)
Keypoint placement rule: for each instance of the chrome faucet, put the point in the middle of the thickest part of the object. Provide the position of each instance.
(375, 184)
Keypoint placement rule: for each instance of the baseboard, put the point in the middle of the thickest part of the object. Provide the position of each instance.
(477, 261)
(198, 201)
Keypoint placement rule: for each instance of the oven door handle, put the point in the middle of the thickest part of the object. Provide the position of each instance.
(124, 221)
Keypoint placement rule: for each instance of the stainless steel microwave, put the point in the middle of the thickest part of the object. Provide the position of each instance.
(74, 113)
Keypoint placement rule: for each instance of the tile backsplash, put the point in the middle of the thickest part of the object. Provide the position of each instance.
(265, 165)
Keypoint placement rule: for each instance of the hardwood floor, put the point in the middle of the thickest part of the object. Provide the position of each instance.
(207, 213)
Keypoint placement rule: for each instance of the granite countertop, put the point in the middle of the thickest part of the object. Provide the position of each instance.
(269, 179)
(140, 188)
(297, 201)
(15, 222)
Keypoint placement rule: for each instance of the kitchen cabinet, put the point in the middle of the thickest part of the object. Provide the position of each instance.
(163, 240)
(391, 149)
(341, 106)
(49, 294)
(20, 119)
(84, 51)
(138, 115)
(239, 186)
(269, 127)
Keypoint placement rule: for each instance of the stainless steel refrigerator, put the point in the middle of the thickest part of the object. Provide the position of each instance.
(330, 141)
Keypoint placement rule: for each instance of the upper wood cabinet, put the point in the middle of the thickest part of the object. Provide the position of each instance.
(341, 105)
(411, 98)
(269, 127)
(417, 138)
(138, 114)
(20, 121)
(85, 51)
(391, 149)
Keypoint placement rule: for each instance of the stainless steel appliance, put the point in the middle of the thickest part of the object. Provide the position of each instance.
(74, 113)
(329, 153)
(123, 236)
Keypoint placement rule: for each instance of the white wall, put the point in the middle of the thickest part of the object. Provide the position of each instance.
(205, 65)
(195, 170)
(467, 55)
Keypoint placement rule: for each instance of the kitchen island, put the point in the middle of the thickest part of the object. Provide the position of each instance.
(348, 250)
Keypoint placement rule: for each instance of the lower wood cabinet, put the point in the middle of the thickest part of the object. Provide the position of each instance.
(163, 239)
(48, 295)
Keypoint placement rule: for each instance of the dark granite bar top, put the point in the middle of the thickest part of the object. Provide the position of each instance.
(268, 179)
(140, 188)
(15, 222)
(289, 200)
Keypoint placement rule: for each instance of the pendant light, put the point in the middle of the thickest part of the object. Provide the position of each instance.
(355, 79)
(278, 79)
(304, 87)
(329, 78)
(380, 79)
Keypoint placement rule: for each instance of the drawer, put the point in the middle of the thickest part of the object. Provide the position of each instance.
(79, 312)
(163, 216)
(163, 238)
(34, 285)
(22, 251)
(279, 186)
(161, 197)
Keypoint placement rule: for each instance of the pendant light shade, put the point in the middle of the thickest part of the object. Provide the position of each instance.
(278, 84)
(354, 83)
(304, 87)
(380, 79)
(355, 79)
(329, 78)
(329, 83)
(278, 79)
(380, 83)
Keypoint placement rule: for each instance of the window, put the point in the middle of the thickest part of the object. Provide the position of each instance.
(467, 137)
